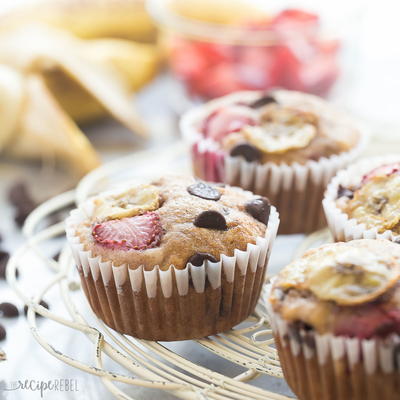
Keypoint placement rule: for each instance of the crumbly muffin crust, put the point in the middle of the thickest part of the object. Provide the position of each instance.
(177, 211)
(292, 127)
(350, 289)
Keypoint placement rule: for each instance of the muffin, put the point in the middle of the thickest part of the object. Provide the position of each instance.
(172, 259)
(335, 314)
(363, 201)
(284, 145)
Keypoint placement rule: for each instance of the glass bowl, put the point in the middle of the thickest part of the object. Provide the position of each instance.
(216, 48)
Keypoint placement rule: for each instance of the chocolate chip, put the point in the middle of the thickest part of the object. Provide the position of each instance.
(42, 303)
(198, 259)
(3, 333)
(263, 101)
(259, 208)
(345, 192)
(297, 328)
(56, 256)
(4, 257)
(8, 310)
(20, 197)
(397, 240)
(247, 151)
(204, 191)
(211, 220)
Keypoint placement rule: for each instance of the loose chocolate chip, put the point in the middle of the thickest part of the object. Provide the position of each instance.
(8, 310)
(204, 191)
(259, 208)
(198, 259)
(263, 101)
(211, 220)
(20, 197)
(247, 151)
(4, 256)
(397, 240)
(56, 256)
(345, 192)
(42, 303)
(3, 333)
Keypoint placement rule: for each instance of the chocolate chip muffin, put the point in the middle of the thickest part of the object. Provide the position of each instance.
(283, 144)
(336, 319)
(173, 259)
(364, 200)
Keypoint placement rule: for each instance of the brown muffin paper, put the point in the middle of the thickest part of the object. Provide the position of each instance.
(173, 304)
(328, 367)
(295, 190)
(342, 227)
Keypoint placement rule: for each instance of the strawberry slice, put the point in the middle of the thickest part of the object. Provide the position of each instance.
(383, 170)
(367, 322)
(138, 233)
(227, 120)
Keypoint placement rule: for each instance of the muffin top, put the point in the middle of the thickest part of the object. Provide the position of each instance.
(375, 199)
(350, 289)
(280, 126)
(172, 221)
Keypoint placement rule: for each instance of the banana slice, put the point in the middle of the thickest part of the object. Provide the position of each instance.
(282, 129)
(132, 202)
(352, 277)
(377, 203)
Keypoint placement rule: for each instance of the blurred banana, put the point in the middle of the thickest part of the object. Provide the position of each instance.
(135, 63)
(35, 123)
(88, 19)
(44, 131)
(112, 25)
(11, 101)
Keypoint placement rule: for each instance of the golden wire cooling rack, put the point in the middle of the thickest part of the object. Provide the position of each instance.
(141, 363)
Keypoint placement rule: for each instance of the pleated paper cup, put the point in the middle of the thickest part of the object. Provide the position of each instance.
(328, 367)
(296, 190)
(173, 304)
(342, 227)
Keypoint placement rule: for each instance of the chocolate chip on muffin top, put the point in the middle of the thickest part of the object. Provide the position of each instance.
(173, 221)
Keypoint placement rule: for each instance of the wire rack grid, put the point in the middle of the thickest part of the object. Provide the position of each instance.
(145, 363)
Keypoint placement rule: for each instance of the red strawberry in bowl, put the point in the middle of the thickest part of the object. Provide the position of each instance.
(295, 22)
(383, 170)
(134, 233)
(226, 120)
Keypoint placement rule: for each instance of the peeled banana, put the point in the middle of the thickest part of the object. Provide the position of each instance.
(88, 19)
(134, 63)
(36, 124)
(112, 26)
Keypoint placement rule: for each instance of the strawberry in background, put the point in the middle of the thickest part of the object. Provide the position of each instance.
(297, 58)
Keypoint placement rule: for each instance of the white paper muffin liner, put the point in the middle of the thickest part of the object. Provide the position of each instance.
(295, 189)
(322, 367)
(342, 227)
(173, 304)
